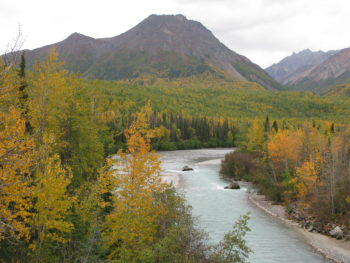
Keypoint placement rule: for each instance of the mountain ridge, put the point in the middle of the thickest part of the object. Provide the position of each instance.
(321, 74)
(162, 45)
(287, 69)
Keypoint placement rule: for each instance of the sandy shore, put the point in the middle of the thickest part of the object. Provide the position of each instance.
(332, 249)
(210, 162)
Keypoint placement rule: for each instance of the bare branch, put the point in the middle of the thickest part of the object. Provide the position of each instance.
(12, 53)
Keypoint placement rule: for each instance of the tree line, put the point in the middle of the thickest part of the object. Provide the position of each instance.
(178, 132)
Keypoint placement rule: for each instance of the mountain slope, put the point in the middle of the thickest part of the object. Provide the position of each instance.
(319, 72)
(77, 51)
(323, 77)
(289, 68)
(342, 90)
(166, 46)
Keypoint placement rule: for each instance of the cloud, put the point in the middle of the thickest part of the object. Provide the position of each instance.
(262, 30)
(265, 31)
(191, 2)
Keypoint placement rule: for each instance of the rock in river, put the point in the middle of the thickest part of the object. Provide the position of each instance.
(233, 185)
(187, 168)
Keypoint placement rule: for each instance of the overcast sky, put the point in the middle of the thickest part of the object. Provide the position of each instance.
(265, 31)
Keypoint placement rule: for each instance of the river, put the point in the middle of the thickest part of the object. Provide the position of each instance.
(217, 209)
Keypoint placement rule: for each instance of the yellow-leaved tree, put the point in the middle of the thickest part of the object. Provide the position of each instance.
(254, 137)
(313, 158)
(131, 224)
(48, 106)
(307, 179)
(284, 148)
(347, 199)
(16, 161)
(53, 204)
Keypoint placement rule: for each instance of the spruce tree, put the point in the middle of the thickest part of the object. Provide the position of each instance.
(23, 94)
(275, 126)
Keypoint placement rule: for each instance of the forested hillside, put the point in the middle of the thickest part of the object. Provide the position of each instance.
(340, 90)
(213, 97)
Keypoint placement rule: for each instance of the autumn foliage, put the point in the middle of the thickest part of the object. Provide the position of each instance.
(16, 162)
(65, 198)
(303, 164)
(135, 182)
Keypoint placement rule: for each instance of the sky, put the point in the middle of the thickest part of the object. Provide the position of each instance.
(265, 31)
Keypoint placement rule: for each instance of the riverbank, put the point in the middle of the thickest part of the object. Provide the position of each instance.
(332, 249)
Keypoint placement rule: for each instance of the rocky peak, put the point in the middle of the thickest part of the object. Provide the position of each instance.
(181, 17)
(76, 37)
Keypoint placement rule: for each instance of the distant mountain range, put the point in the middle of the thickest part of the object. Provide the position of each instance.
(167, 46)
(288, 68)
(313, 71)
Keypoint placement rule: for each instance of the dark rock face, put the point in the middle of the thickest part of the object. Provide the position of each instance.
(160, 44)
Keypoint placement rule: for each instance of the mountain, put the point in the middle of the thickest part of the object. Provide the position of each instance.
(319, 72)
(168, 46)
(77, 51)
(323, 77)
(290, 68)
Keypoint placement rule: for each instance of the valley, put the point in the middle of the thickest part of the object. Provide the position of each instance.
(90, 127)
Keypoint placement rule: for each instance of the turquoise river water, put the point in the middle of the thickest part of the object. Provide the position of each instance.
(217, 209)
